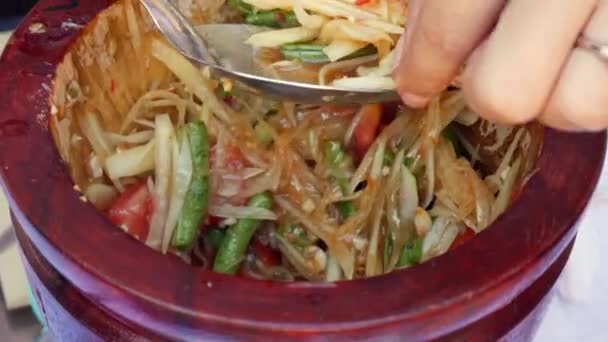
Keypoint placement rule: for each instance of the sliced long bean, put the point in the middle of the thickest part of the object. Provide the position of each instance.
(339, 164)
(215, 236)
(240, 6)
(197, 197)
(302, 47)
(308, 56)
(273, 18)
(313, 53)
(234, 245)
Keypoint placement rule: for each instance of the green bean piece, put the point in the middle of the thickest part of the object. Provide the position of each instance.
(411, 255)
(215, 236)
(273, 18)
(197, 196)
(234, 245)
(302, 47)
(240, 6)
(313, 53)
(340, 164)
(308, 56)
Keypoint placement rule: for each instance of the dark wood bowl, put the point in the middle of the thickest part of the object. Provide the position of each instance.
(93, 281)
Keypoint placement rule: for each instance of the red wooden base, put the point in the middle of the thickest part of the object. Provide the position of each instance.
(70, 316)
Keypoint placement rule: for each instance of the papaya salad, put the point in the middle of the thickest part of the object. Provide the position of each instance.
(239, 184)
(347, 44)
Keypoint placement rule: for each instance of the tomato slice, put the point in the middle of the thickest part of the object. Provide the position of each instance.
(233, 160)
(211, 221)
(132, 209)
(366, 131)
(467, 235)
(265, 254)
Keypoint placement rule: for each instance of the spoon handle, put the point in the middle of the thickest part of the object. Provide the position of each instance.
(178, 31)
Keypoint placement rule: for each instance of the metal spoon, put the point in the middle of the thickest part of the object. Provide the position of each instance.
(222, 48)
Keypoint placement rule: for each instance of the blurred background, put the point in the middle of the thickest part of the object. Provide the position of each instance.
(16, 7)
(17, 321)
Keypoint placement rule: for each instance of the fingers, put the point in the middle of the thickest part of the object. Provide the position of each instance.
(580, 99)
(414, 7)
(438, 41)
(511, 77)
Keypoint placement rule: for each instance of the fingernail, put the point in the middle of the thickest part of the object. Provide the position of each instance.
(414, 100)
(398, 53)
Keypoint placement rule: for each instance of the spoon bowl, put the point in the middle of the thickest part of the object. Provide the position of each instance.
(222, 48)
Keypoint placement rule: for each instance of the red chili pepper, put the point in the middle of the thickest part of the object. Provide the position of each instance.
(112, 86)
(362, 2)
(467, 235)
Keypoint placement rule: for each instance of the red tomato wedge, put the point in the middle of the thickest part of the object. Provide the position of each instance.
(265, 254)
(132, 209)
(462, 238)
(233, 160)
(367, 129)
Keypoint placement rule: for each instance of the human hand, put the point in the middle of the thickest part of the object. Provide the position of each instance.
(520, 56)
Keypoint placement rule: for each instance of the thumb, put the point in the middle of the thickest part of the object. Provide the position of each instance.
(439, 37)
